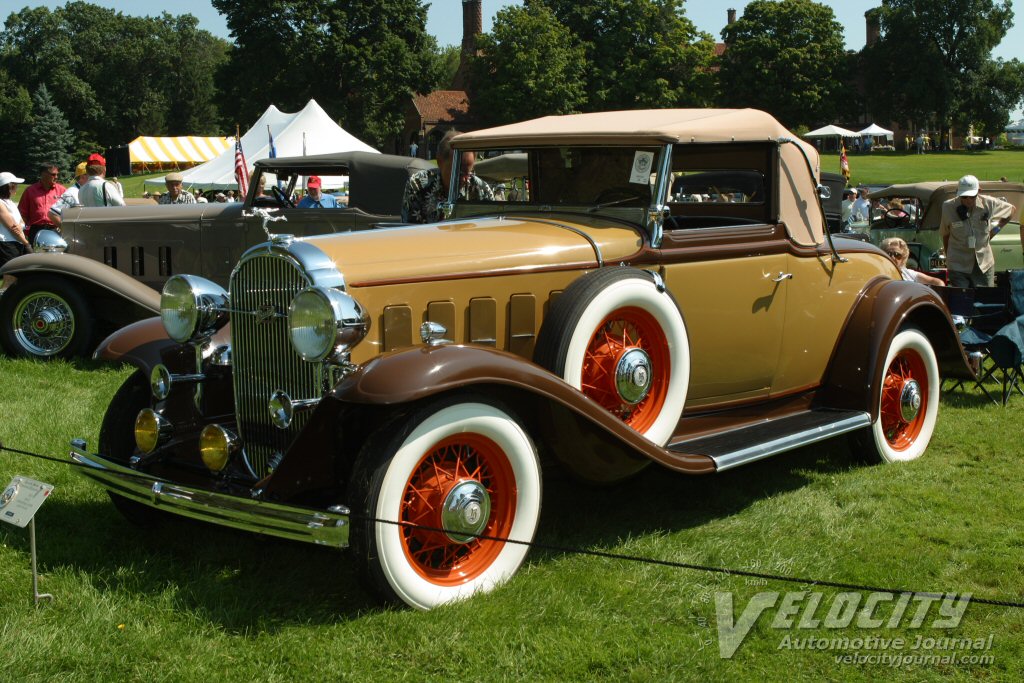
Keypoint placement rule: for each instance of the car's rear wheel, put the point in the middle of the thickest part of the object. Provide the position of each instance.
(907, 401)
(45, 317)
(424, 489)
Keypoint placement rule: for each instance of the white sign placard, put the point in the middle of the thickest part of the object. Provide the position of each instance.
(641, 173)
(20, 500)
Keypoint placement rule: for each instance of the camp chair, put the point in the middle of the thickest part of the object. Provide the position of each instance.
(1006, 351)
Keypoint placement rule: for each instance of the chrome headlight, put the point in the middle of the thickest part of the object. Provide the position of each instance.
(322, 321)
(49, 242)
(192, 308)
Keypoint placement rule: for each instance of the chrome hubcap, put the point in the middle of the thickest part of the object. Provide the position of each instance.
(633, 376)
(910, 400)
(43, 324)
(467, 507)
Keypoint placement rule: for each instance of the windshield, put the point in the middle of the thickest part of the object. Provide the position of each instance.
(613, 180)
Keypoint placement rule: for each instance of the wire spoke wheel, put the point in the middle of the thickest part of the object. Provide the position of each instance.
(43, 323)
(448, 476)
(604, 379)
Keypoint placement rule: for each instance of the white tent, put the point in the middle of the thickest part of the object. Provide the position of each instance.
(875, 131)
(1015, 133)
(831, 131)
(322, 136)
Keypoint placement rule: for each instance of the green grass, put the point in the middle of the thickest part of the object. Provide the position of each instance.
(193, 602)
(884, 168)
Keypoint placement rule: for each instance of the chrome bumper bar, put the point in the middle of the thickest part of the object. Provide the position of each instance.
(320, 527)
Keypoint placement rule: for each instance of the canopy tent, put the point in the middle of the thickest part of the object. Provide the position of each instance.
(187, 150)
(310, 131)
(831, 131)
(875, 131)
(1015, 132)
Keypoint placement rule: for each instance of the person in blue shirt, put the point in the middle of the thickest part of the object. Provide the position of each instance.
(315, 199)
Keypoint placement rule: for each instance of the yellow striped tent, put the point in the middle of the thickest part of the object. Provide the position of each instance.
(153, 153)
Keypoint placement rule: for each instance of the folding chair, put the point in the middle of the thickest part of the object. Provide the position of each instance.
(1006, 351)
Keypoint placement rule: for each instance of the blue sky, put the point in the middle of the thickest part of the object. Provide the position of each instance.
(445, 18)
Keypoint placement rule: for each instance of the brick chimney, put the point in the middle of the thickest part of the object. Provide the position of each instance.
(873, 26)
(730, 16)
(472, 25)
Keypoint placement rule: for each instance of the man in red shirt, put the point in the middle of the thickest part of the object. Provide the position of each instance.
(37, 199)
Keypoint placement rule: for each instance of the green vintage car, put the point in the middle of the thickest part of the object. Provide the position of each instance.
(919, 228)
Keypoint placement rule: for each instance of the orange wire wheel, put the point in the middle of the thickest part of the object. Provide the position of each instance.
(904, 399)
(463, 487)
(626, 367)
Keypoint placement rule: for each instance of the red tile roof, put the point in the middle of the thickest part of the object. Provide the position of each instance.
(442, 106)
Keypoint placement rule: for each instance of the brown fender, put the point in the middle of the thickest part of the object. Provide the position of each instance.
(408, 375)
(87, 270)
(884, 308)
(145, 344)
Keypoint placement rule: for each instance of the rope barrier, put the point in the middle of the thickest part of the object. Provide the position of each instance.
(569, 550)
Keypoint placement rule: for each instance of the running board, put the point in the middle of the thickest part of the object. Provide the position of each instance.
(749, 444)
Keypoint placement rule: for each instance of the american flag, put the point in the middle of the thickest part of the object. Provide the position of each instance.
(241, 169)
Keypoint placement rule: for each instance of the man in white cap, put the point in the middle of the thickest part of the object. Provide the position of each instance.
(969, 221)
(175, 194)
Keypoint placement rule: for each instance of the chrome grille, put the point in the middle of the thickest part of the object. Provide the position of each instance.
(263, 358)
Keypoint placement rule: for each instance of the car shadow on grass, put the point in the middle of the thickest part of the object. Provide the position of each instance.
(243, 581)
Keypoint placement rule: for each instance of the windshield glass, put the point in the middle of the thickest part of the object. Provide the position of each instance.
(613, 180)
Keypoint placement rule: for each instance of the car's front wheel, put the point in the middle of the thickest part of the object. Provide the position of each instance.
(907, 401)
(424, 490)
(45, 317)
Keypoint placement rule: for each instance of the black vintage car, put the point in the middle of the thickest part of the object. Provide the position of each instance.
(108, 269)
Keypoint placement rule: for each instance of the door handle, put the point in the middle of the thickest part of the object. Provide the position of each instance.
(783, 276)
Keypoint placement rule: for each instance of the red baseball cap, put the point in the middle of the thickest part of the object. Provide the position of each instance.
(314, 181)
(96, 160)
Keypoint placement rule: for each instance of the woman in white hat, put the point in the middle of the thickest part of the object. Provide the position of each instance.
(12, 228)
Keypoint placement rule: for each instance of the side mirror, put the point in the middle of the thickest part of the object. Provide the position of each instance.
(824, 191)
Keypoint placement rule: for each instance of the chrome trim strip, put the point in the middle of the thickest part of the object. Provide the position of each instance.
(593, 243)
(319, 527)
(664, 183)
(306, 257)
(789, 442)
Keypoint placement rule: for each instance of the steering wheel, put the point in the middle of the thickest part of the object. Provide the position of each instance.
(619, 195)
(895, 218)
(281, 197)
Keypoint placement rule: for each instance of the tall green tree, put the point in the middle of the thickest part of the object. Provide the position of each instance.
(15, 115)
(50, 138)
(529, 66)
(117, 76)
(360, 59)
(640, 53)
(786, 58)
(933, 59)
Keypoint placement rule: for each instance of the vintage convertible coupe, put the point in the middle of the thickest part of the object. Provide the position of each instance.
(118, 258)
(395, 390)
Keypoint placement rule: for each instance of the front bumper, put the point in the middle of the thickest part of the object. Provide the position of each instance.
(320, 527)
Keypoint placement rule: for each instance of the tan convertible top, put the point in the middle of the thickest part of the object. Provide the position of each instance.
(644, 126)
(798, 208)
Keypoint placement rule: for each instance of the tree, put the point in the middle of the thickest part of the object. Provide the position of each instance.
(786, 58)
(529, 66)
(359, 59)
(49, 138)
(996, 92)
(641, 53)
(117, 76)
(15, 115)
(938, 55)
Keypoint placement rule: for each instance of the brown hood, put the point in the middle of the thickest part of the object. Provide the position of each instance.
(475, 247)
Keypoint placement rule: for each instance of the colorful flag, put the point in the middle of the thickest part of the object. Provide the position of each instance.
(844, 163)
(241, 169)
(273, 150)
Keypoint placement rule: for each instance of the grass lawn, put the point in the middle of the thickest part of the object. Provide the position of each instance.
(193, 602)
(884, 168)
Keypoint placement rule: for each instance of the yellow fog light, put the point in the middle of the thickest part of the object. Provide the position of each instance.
(151, 430)
(216, 445)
